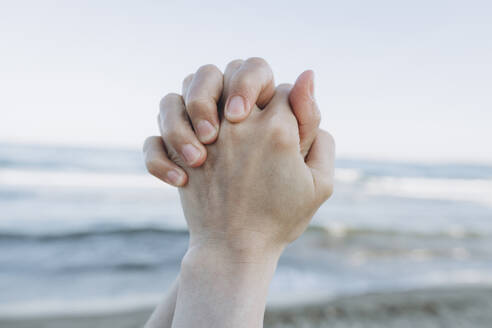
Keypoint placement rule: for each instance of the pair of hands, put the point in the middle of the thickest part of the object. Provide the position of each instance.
(252, 165)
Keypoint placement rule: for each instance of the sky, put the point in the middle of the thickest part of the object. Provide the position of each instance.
(403, 80)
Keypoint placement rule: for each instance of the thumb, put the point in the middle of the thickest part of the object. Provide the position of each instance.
(305, 109)
(321, 161)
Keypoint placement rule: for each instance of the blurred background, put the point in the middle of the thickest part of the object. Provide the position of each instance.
(404, 87)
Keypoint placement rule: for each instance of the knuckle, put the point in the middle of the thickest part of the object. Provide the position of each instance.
(283, 90)
(234, 63)
(147, 143)
(261, 65)
(328, 137)
(199, 106)
(169, 98)
(258, 61)
(153, 166)
(188, 78)
(244, 84)
(209, 69)
(281, 135)
(172, 135)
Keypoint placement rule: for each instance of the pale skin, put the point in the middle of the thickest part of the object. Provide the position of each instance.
(250, 181)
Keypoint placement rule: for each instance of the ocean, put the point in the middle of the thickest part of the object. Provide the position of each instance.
(88, 230)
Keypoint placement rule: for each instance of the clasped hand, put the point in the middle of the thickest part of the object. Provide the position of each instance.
(252, 168)
(260, 178)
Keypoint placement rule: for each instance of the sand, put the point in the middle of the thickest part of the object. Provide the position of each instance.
(444, 307)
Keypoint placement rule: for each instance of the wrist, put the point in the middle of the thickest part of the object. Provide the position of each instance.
(237, 262)
(214, 277)
(242, 246)
(229, 272)
(232, 258)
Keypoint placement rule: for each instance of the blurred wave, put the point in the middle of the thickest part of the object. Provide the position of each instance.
(90, 226)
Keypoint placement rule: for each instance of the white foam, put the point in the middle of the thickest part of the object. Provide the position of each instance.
(347, 175)
(473, 190)
(36, 178)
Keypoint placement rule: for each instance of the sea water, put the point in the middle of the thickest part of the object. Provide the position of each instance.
(87, 230)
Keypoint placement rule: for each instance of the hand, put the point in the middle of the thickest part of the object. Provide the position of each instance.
(270, 193)
(205, 91)
(225, 274)
(256, 191)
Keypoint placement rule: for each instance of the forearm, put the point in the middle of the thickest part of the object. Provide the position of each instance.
(162, 317)
(221, 288)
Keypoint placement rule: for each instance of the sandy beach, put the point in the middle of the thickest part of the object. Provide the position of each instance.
(443, 307)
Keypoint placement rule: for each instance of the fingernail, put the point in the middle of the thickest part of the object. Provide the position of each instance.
(236, 108)
(174, 177)
(190, 153)
(206, 131)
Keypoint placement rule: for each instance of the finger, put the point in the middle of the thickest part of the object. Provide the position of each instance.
(321, 161)
(181, 142)
(229, 72)
(186, 84)
(305, 110)
(252, 84)
(280, 100)
(159, 165)
(201, 100)
(280, 120)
